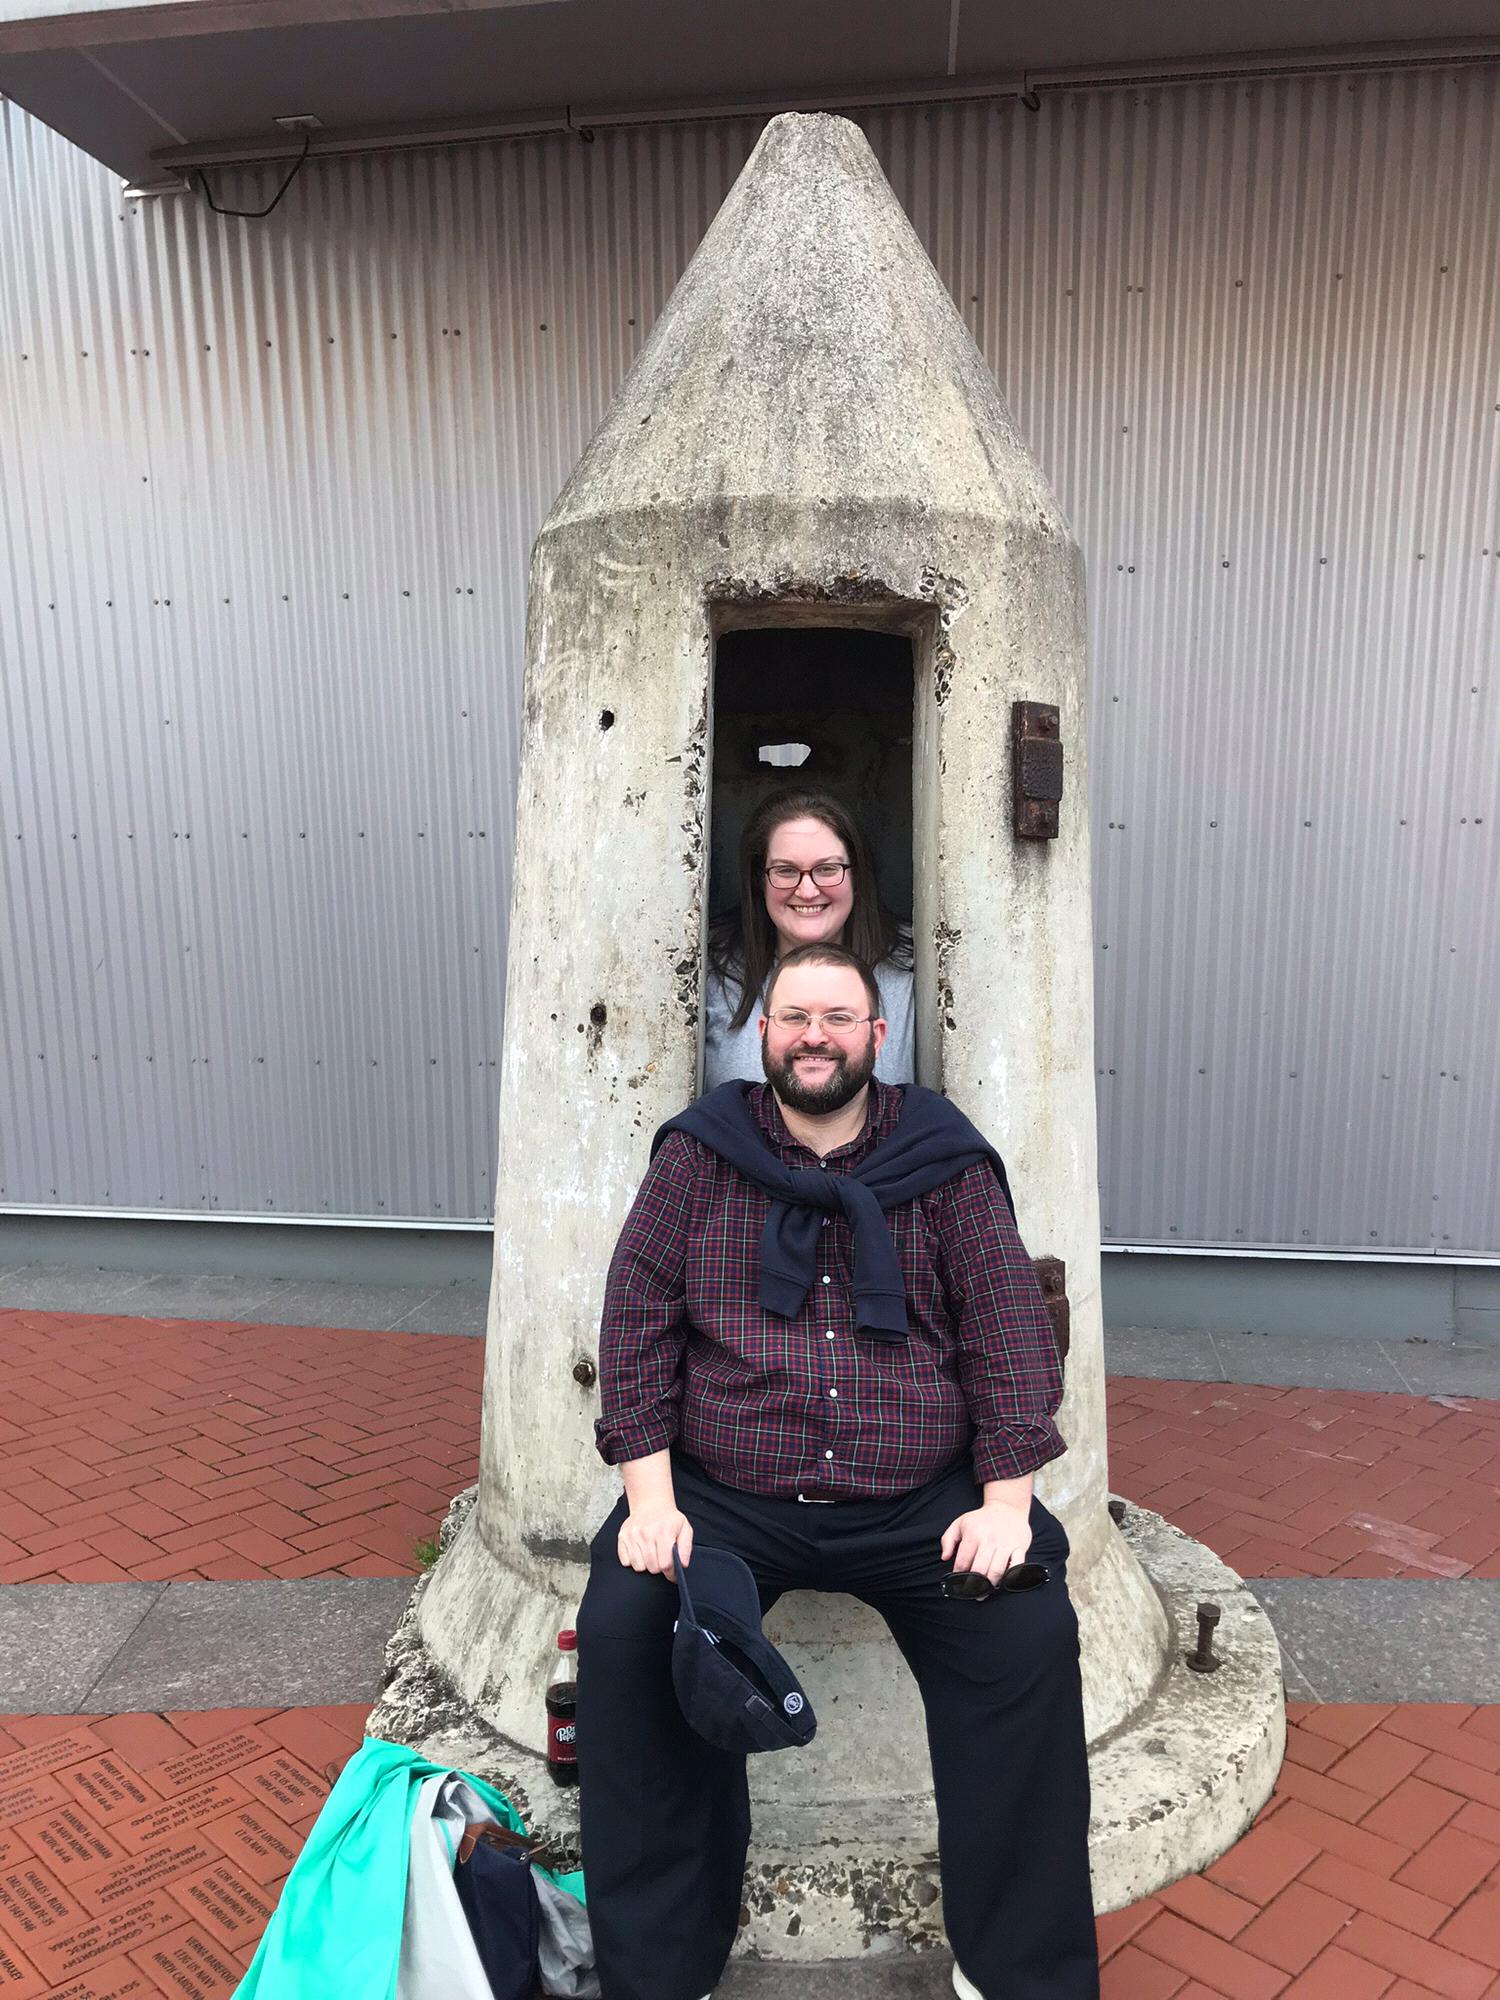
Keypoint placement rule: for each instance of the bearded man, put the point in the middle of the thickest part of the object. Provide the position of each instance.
(824, 1349)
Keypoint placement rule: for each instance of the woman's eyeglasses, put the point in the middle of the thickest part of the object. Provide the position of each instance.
(974, 1586)
(787, 875)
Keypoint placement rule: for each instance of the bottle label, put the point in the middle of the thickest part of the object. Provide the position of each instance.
(562, 1740)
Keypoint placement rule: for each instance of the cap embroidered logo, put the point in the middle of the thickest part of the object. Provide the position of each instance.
(793, 1704)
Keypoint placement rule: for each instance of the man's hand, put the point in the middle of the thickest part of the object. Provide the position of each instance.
(647, 1536)
(655, 1520)
(990, 1538)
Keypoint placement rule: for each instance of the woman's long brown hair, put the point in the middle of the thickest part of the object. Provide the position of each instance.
(742, 947)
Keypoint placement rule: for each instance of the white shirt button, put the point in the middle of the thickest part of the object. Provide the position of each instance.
(830, 1335)
(828, 1454)
(833, 1392)
(828, 1281)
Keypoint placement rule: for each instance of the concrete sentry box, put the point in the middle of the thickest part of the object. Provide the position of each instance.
(808, 490)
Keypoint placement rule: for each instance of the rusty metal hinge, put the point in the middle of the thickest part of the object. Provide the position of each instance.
(1052, 1276)
(1036, 769)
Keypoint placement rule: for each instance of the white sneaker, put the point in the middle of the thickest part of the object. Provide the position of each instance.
(962, 1986)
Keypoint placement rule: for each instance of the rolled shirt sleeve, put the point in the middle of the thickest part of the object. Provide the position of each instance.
(644, 1324)
(1008, 1364)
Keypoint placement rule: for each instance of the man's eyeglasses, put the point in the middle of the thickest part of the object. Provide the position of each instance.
(974, 1586)
(787, 875)
(839, 1022)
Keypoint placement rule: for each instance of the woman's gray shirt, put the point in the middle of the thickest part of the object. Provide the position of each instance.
(735, 1052)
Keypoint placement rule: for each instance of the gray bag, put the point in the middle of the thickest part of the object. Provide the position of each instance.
(567, 1945)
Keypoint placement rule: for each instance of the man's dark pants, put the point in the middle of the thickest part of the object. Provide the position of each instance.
(666, 1815)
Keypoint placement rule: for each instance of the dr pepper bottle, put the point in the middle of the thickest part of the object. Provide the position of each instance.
(562, 1712)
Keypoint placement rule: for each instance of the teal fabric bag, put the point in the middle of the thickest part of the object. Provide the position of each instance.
(337, 1926)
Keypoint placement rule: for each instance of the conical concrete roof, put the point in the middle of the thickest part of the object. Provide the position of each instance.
(809, 355)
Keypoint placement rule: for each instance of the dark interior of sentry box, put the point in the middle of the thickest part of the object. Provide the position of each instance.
(842, 694)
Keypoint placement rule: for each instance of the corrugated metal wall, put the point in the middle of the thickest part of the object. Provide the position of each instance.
(268, 490)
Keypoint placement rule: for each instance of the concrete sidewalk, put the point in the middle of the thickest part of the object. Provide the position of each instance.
(207, 1528)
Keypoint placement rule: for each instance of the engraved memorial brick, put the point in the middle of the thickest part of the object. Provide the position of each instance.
(97, 1943)
(290, 1787)
(179, 1815)
(116, 1981)
(33, 1905)
(25, 1802)
(142, 1872)
(229, 1908)
(106, 1787)
(18, 1979)
(190, 1964)
(39, 1758)
(262, 1846)
(68, 1843)
(181, 1774)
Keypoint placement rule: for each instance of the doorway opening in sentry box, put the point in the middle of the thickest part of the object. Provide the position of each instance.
(801, 702)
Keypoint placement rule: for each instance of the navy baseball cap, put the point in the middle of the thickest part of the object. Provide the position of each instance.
(732, 1684)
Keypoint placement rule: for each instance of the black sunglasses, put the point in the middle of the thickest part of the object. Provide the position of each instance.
(974, 1586)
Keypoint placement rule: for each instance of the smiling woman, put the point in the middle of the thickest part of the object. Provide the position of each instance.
(804, 867)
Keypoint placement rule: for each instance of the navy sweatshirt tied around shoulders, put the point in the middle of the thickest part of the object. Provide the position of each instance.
(932, 1143)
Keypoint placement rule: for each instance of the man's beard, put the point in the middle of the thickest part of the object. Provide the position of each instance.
(849, 1077)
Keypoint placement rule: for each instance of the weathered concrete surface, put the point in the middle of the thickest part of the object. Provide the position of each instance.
(1183, 1779)
(809, 434)
(1194, 1762)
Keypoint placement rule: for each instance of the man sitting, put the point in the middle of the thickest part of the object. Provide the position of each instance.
(824, 1349)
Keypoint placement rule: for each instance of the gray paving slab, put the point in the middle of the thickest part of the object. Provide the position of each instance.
(878, 1976)
(455, 1309)
(48, 1288)
(1402, 1367)
(1285, 1361)
(1298, 1687)
(57, 1639)
(287, 1644)
(1161, 1356)
(372, 1308)
(260, 1300)
(1434, 1369)
(197, 1295)
(1388, 1639)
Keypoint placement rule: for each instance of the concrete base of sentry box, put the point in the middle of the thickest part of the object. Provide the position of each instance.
(1172, 1789)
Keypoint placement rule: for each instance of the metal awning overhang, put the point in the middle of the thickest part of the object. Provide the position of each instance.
(154, 90)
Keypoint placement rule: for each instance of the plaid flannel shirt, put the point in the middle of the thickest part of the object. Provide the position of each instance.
(807, 1406)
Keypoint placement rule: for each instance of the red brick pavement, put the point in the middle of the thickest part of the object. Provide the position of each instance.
(142, 1855)
(1373, 1874)
(181, 1449)
(1315, 1482)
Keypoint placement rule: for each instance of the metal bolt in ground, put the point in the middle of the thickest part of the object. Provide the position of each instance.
(1204, 1660)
